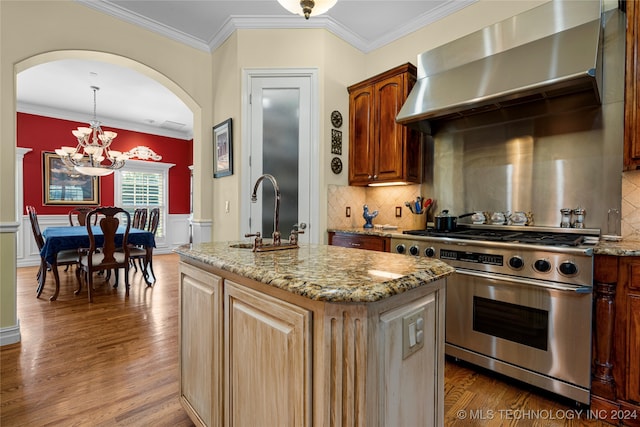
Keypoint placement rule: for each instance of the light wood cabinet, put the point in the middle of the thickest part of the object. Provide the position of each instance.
(252, 354)
(268, 359)
(360, 241)
(400, 368)
(632, 88)
(616, 357)
(381, 150)
(201, 345)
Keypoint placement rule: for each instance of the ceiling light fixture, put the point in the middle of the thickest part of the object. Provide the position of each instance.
(93, 149)
(305, 7)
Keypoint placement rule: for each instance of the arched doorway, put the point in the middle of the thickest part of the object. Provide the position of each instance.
(11, 334)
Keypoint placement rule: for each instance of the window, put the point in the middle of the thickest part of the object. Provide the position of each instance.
(142, 184)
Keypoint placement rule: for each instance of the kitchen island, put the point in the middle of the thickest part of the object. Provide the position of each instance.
(319, 335)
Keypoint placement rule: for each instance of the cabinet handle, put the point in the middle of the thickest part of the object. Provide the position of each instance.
(355, 245)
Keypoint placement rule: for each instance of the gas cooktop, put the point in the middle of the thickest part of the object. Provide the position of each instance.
(506, 235)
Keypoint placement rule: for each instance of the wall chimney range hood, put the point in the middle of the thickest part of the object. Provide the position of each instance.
(542, 61)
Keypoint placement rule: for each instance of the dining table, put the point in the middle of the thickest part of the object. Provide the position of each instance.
(58, 239)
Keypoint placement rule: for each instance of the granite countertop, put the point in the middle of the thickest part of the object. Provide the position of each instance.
(322, 272)
(625, 247)
(367, 231)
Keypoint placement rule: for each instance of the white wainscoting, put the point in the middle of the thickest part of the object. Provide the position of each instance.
(177, 233)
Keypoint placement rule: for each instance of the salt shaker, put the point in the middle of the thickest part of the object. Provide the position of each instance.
(565, 221)
(579, 214)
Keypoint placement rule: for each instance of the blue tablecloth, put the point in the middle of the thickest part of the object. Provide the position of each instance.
(58, 239)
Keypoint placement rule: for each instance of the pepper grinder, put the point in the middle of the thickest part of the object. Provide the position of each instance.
(579, 214)
(565, 221)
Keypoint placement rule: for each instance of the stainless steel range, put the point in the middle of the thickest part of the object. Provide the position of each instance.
(520, 302)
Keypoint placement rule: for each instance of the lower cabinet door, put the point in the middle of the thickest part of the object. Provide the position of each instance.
(408, 334)
(633, 365)
(268, 360)
(201, 346)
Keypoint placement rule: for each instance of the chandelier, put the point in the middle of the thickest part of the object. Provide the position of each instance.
(93, 149)
(305, 7)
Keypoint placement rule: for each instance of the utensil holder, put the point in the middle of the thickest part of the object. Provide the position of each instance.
(418, 221)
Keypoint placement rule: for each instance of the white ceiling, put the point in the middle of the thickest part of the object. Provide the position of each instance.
(129, 100)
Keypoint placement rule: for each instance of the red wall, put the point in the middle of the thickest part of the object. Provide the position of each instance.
(46, 134)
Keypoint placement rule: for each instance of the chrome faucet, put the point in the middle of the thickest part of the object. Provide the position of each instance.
(276, 213)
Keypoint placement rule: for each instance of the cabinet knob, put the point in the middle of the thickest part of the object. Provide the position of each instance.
(369, 177)
(375, 176)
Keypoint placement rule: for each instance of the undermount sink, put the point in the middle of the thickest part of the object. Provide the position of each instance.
(264, 247)
(242, 245)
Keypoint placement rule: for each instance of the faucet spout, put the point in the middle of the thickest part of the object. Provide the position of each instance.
(276, 210)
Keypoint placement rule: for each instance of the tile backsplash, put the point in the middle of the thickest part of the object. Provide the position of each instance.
(383, 199)
(630, 213)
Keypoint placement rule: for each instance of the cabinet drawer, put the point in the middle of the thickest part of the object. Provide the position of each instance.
(634, 276)
(360, 241)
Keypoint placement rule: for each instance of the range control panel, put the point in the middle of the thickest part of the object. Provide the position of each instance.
(561, 265)
(474, 257)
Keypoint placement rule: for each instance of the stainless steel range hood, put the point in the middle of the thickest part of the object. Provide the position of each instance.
(540, 56)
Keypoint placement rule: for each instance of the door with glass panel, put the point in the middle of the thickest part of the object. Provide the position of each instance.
(281, 144)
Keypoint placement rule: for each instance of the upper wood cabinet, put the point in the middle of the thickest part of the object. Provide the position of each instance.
(381, 150)
(632, 89)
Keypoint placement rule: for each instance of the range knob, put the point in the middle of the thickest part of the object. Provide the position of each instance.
(568, 268)
(542, 265)
(414, 250)
(430, 252)
(400, 248)
(516, 262)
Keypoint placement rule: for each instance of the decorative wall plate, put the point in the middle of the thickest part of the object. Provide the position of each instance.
(336, 165)
(336, 119)
(336, 142)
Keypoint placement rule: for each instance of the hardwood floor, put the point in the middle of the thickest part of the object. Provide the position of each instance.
(107, 363)
(115, 363)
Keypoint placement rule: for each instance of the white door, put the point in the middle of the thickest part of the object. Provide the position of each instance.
(282, 142)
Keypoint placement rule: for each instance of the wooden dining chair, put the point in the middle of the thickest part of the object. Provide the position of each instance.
(145, 255)
(66, 257)
(113, 254)
(139, 218)
(78, 216)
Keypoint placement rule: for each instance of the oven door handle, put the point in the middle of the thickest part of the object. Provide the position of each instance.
(531, 282)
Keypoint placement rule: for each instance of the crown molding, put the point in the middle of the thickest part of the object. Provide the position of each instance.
(144, 22)
(236, 22)
(421, 21)
(59, 113)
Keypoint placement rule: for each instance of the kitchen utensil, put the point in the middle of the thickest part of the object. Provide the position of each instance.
(427, 204)
(446, 221)
(409, 205)
(418, 205)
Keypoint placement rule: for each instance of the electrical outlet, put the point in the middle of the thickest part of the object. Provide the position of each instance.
(412, 332)
(347, 211)
(398, 211)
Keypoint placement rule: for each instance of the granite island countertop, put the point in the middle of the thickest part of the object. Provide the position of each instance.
(322, 272)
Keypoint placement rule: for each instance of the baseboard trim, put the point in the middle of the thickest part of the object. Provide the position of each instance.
(10, 335)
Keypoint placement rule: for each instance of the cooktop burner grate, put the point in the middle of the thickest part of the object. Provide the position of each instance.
(513, 236)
